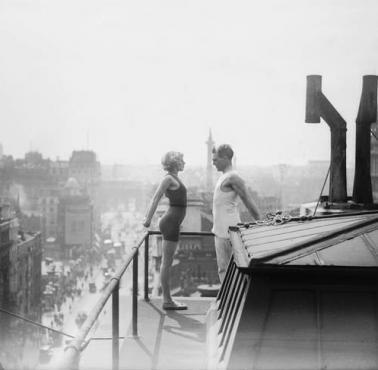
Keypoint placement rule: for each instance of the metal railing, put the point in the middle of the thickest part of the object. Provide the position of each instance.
(71, 358)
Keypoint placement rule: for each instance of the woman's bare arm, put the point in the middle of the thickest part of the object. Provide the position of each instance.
(163, 186)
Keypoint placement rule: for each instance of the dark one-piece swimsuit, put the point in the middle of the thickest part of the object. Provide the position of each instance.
(169, 224)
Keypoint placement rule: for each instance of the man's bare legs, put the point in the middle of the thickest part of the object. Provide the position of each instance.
(169, 249)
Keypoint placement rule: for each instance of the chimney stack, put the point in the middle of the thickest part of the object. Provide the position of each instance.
(318, 106)
(367, 114)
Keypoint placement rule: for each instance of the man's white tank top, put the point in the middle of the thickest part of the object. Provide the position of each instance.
(225, 208)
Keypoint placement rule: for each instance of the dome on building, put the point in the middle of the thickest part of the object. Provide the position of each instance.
(72, 187)
(72, 184)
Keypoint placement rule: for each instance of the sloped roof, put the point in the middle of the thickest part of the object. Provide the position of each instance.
(340, 240)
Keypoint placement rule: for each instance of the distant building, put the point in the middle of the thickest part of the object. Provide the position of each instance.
(59, 170)
(20, 290)
(25, 275)
(266, 204)
(20, 266)
(84, 167)
(6, 241)
(75, 220)
(35, 159)
(48, 206)
(197, 252)
(195, 257)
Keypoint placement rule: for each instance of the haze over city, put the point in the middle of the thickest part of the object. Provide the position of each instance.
(131, 80)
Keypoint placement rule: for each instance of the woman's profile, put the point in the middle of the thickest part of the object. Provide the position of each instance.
(169, 224)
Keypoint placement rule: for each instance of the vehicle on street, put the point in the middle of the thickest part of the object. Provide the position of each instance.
(92, 287)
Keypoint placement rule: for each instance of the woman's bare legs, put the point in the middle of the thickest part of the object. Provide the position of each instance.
(169, 249)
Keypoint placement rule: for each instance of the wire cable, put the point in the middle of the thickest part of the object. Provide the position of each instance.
(372, 132)
(321, 192)
(35, 323)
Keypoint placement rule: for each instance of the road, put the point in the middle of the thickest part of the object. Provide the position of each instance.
(70, 310)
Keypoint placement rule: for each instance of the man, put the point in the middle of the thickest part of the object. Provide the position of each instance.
(229, 188)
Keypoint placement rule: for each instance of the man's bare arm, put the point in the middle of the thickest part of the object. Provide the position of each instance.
(238, 185)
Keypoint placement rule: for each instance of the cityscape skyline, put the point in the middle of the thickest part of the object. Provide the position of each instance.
(3, 152)
(132, 81)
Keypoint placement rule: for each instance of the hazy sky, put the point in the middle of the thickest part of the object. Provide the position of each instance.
(133, 79)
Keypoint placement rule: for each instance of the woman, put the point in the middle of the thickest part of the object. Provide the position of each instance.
(169, 224)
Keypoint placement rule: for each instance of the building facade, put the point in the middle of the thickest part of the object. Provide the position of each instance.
(75, 221)
(20, 293)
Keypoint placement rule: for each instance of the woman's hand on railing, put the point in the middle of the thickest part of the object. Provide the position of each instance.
(146, 223)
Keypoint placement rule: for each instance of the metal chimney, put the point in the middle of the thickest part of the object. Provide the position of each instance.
(318, 106)
(367, 114)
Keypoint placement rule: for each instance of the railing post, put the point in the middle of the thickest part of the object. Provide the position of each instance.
(135, 295)
(115, 325)
(146, 256)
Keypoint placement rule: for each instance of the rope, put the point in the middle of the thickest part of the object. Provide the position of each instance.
(321, 192)
(274, 219)
(35, 323)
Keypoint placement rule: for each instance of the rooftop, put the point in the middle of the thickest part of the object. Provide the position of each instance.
(340, 240)
(166, 339)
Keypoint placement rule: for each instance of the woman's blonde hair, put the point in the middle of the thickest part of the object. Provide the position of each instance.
(171, 160)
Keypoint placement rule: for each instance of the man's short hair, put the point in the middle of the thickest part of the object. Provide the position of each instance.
(224, 150)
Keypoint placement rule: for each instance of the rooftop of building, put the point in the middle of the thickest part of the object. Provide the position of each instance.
(83, 156)
(334, 240)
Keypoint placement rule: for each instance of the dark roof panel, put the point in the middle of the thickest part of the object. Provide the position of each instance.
(342, 240)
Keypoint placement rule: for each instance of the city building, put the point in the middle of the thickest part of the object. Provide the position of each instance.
(6, 241)
(86, 169)
(75, 220)
(20, 292)
(20, 266)
(25, 259)
(59, 171)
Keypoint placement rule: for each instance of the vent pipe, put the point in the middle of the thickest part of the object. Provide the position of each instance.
(318, 106)
(367, 114)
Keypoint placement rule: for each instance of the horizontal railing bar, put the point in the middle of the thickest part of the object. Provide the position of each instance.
(187, 233)
(105, 338)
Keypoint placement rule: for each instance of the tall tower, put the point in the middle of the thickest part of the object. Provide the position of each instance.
(209, 169)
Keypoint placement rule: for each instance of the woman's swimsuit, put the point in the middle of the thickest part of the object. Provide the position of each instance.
(169, 224)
